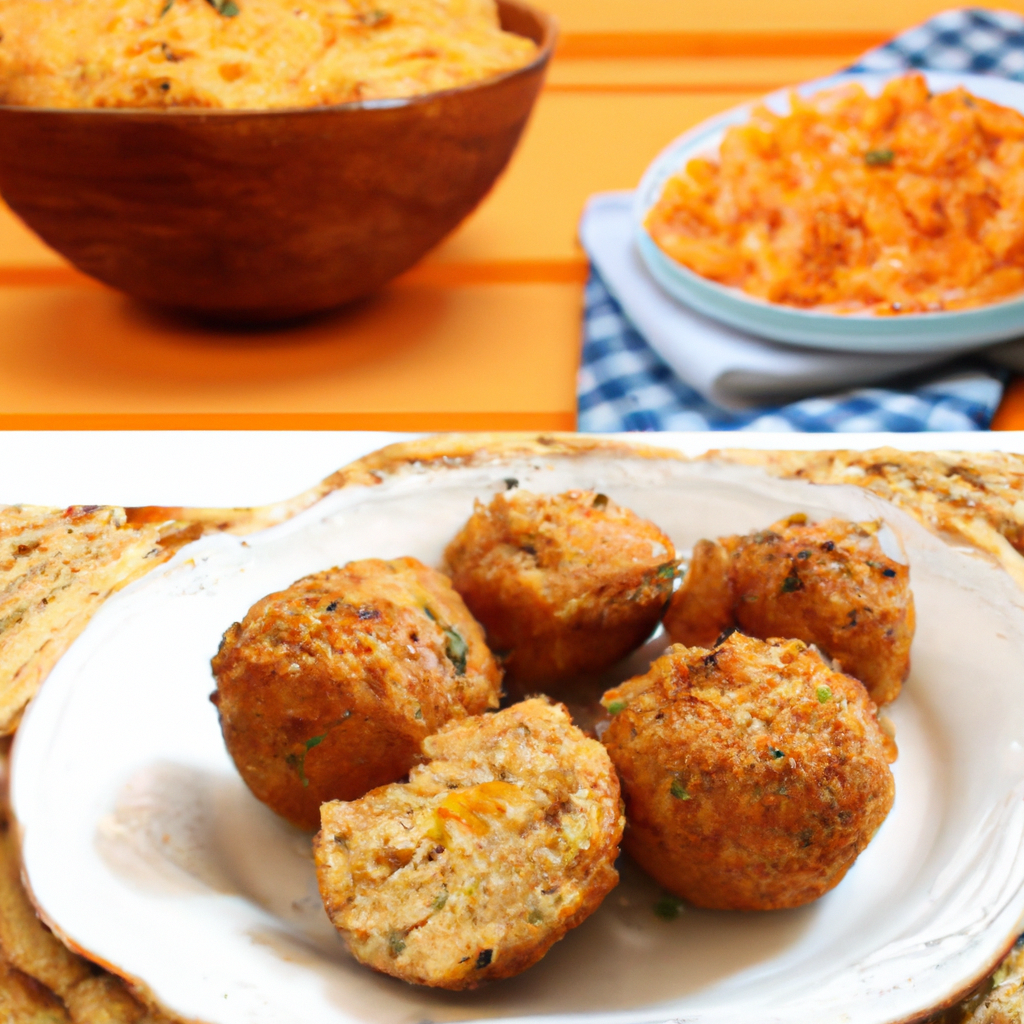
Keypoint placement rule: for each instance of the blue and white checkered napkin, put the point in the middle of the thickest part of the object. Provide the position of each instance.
(624, 384)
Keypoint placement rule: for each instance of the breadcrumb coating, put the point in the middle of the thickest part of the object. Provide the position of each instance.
(328, 688)
(753, 774)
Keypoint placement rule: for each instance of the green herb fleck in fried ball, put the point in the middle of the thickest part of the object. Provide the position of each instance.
(754, 775)
(327, 689)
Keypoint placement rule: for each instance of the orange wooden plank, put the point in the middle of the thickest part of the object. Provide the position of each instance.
(647, 88)
(430, 274)
(419, 352)
(880, 16)
(438, 274)
(707, 74)
(401, 421)
(765, 43)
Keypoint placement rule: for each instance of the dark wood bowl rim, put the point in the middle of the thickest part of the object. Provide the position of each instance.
(544, 50)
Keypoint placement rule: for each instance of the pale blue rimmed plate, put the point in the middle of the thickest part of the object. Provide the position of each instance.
(912, 332)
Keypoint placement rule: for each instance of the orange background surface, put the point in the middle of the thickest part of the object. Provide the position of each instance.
(485, 333)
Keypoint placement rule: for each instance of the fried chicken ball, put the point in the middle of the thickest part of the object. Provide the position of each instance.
(503, 841)
(327, 689)
(828, 584)
(564, 584)
(753, 773)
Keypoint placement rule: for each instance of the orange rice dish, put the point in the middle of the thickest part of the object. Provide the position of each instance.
(904, 203)
(246, 54)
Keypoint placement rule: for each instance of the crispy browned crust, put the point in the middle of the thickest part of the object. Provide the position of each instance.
(497, 846)
(565, 585)
(753, 774)
(327, 689)
(701, 610)
(826, 583)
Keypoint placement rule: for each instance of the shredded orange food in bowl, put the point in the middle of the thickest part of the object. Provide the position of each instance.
(907, 202)
(247, 54)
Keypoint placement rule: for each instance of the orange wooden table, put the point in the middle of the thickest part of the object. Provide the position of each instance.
(485, 333)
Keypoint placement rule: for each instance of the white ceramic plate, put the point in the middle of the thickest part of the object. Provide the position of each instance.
(913, 332)
(143, 848)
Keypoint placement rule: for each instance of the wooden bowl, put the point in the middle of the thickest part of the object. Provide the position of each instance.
(256, 216)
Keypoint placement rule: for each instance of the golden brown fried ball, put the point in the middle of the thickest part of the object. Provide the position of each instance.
(484, 859)
(328, 688)
(828, 584)
(753, 773)
(564, 584)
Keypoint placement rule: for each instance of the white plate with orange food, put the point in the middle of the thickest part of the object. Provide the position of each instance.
(856, 223)
(144, 849)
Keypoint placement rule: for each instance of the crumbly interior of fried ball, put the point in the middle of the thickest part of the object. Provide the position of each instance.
(490, 852)
(327, 689)
(564, 584)
(754, 775)
(827, 583)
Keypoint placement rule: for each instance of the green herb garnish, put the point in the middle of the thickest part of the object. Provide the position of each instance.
(790, 583)
(667, 572)
(456, 649)
(824, 694)
(678, 790)
(615, 707)
(535, 917)
(225, 8)
(879, 157)
(440, 900)
(168, 4)
(396, 944)
(776, 753)
(298, 761)
(668, 907)
(375, 17)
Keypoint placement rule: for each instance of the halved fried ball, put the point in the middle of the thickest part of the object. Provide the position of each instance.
(753, 773)
(327, 689)
(828, 584)
(564, 584)
(484, 859)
